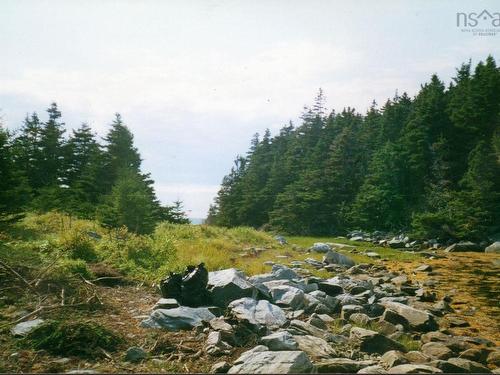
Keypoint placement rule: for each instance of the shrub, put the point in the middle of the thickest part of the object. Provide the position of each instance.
(77, 244)
(81, 339)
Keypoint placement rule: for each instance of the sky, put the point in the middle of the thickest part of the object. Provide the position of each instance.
(194, 80)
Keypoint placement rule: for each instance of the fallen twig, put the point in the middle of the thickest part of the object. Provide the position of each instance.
(16, 274)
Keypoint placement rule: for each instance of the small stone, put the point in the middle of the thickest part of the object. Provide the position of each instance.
(220, 368)
(456, 321)
(423, 268)
(22, 329)
(219, 324)
(166, 303)
(135, 354)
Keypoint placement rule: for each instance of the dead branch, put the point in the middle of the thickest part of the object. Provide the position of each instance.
(17, 275)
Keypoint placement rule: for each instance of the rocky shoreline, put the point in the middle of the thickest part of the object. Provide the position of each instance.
(363, 319)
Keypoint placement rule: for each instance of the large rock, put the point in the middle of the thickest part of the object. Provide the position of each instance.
(493, 248)
(279, 341)
(281, 362)
(437, 350)
(258, 312)
(376, 369)
(469, 366)
(373, 342)
(321, 247)
(414, 369)
(300, 328)
(464, 246)
(228, 285)
(289, 296)
(393, 358)
(417, 319)
(332, 257)
(396, 243)
(330, 288)
(342, 365)
(22, 329)
(314, 347)
(180, 318)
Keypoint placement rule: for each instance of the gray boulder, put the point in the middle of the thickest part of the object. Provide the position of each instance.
(22, 329)
(321, 247)
(464, 246)
(373, 342)
(414, 369)
(437, 350)
(342, 365)
(314, 347)
(376, 369)
(180, 318)
(417, 319)
(288, 296)
(258, 312)
(493, 248)
(228, 285)
(393, 358)
(330, 288)
(332, 257)
(279, 341)
(396, 243)
(469, 366)
(267, 362)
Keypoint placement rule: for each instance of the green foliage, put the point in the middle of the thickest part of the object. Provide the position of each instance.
(429, 164)
(42, 170)
(77, 244)
(67, 338)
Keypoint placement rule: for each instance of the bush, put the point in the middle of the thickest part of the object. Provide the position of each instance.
(81, 339)
(77, 244)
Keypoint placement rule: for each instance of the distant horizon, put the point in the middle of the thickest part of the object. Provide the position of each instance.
(194, 81)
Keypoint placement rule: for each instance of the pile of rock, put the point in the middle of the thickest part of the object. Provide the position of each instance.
(356, 321)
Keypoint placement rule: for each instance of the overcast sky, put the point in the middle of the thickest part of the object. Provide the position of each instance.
(195, 79)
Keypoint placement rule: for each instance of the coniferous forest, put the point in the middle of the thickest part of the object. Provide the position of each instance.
(428, 164)
(42, 169)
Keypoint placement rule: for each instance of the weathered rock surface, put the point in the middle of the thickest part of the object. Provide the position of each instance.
(321, 247)
(332, 257)
(374, 342)
(180, 318)
(393, 358)
(22, 329)
(463, 246)
(376, 369)
(342, 365)
(228, 285)
(258, 312)
(290, 296)
(493, 248)
(314, 347)
(417, 319)
(469, 366)
(414, 369)
(280, 341)
(281, 362)
(437, 350)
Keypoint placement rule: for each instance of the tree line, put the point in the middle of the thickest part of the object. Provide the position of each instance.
(41, 170)
(428, 164)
